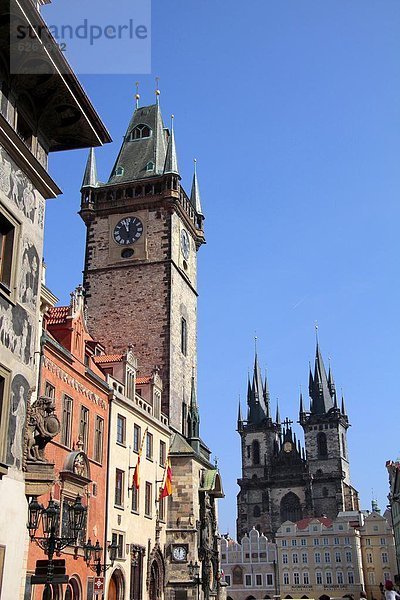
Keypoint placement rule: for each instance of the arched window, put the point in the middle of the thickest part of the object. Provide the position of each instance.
(290, 508)
(343, 446)
(256, 511)
(237, 575)
(140, 131)
(119, 171)
(322, 445)
(256, 452)
(150, 166)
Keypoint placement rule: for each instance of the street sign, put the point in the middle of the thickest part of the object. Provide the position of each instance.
(59, 572)
(98, 584)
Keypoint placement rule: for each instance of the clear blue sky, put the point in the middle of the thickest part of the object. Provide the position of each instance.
(292, 109)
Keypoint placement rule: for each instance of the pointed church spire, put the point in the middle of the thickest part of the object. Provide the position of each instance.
(343, 408)
(320, 393)
(255, 396)
(195, 192)
(193, 416)
(239, 418)
(266, 396)
(301, 409)
(90, 176)
(278, 416)
(171, 161)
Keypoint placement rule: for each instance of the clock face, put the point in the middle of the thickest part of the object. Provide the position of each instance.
(287, 447)
(128, 230)
(179, 553)
(185, 244)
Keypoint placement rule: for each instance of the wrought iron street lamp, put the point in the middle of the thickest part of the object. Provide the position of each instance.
(93, 553)
(50, 542)
(194, 572)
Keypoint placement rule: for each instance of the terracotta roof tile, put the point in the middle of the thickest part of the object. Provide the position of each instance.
(304, 523)
(142, 380)
(107, 358)
(58, 315)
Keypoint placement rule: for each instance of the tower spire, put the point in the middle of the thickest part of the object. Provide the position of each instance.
(195, 192)
(278, 416)
(171, 161)
(90, 175)
(320, 391)
(193, 416)
(239, 418)
(157, 91)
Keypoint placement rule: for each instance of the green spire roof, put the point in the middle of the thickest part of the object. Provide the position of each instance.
(144, 147)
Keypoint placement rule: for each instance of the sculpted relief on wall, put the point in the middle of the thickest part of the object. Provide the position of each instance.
(29, 275)
(17, 187)
(16, 426)
(17, 332)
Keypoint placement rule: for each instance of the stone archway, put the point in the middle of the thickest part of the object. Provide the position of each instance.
(116, 586)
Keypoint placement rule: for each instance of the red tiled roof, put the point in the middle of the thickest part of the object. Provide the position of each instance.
(142, 380)
(58, 315)
(107, 358)
(304, 523)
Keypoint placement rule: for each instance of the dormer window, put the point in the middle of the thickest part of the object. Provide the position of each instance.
(150, 166)
(140, 132)
(119, 171)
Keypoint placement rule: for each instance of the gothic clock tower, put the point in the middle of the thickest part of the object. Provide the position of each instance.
(143, 234)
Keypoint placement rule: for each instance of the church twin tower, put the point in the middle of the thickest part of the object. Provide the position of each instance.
(282, 481)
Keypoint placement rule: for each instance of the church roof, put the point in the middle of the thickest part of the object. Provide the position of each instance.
(322, 398)
(144, 146)
(257, 397)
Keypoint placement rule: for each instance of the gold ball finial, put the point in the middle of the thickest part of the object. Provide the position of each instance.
(137, 96)
(158, 92)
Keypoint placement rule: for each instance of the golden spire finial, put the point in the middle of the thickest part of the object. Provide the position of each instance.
(157, 90)
(316, 330)
(137, 95)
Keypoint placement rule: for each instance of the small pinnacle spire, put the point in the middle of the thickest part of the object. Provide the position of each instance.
(90, 175)
(195, 192)
(240, 418)
(278, 417)
(301, 403)
(137, 95)
(193, 416)
(171, 161)
(343, 408)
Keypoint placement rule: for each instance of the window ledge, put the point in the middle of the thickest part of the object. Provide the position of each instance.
(119, 507)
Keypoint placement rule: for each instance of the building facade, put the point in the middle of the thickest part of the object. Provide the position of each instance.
(29, 130)
(280, 479)
(393, 468)
(378, 552)
(250, 568)
(70, 378)
(319, 558)
(136, 517)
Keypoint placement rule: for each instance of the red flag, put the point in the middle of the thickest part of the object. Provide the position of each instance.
(166, 490)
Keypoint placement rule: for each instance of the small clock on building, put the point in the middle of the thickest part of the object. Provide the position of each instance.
(185, 244)
(179, 553)
(128, 230)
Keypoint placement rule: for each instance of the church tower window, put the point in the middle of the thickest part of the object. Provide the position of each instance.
(290, 508)
(140, 132)
(256, 511)
(343, 446)
(322, 445)
(184, 336)
(256, 452)
(119, 171)
(150, 166)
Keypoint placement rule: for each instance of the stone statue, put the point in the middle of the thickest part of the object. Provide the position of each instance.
(42, 426)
